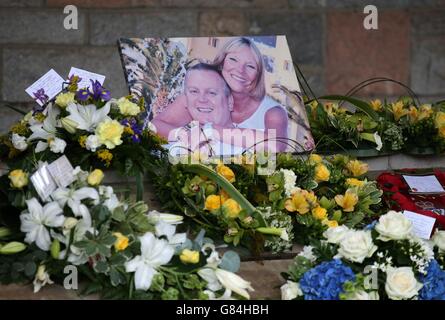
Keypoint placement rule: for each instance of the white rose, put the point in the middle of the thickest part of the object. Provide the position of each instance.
(19, 142)
(439, 240)
(363, 295)
(393, 226)
(290, 290)
(92, 143)
(57, 145)
(401, 283)
(356, 246)
(335, 235)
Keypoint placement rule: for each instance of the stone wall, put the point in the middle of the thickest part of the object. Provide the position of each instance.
(326, 37)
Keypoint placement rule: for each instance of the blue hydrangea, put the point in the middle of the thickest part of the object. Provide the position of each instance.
(325, 281)
(433, 283)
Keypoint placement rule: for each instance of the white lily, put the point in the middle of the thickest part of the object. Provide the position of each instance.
(47, 129)
(154, 253)
(73, 199)
(35, 220)
(19, 142)
(212, 296)
(87, 117)
(164, 229)
(217, 278)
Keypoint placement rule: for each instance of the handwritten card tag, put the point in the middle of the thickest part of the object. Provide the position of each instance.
(86, 76)
(61, 171)
(46, 88)
(422, 225)
(424, 184)
(43, 182)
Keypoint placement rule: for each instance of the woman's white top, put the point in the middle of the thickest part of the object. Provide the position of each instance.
(256, 120)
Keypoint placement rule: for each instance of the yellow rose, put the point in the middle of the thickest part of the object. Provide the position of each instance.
(189, 256)
(64, 99)
(19, 178)
(330, 223)
(315, 158)
(110, 133)
(319, 213)
(231, 208)
(128, 108)
(376, 105)
(226, 172)
(353, 182)
(121, 242)
(213, 202)
(440, 119)
(347, 201)
(321, 173)
(95, 177)
(297, 203)
(357, 168)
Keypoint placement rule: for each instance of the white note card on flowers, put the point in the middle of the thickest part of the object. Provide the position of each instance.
(46, 88)
(43, 182)
(62, 171)
(422, 225)
(424, 184)
(86, 77)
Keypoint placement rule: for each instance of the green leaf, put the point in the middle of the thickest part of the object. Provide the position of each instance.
(101, 267)
(118, 214)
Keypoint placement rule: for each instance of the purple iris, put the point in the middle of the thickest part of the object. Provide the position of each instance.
(99, 92)
(41, 95)
(135, 127)
(82, 94)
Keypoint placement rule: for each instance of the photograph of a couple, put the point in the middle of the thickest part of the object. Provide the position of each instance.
(219, 95)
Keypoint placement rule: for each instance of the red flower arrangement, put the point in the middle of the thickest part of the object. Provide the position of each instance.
(396, 194)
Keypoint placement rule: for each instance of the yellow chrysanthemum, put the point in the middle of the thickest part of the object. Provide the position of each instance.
(105, 156)
(347, 201)
(82, 140)
(357, 168)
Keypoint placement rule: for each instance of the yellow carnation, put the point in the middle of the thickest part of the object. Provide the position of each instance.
(121, 242)
(110, 133)
(128, 108)
(95, 177)
(189, 256)
(64, 99)
(19, 178)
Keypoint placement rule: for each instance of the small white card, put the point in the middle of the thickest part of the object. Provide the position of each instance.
(424, 184)
(422, 225)
(86, 76)
(43, 182)
(62, 172)
(46, 88)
